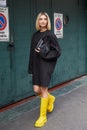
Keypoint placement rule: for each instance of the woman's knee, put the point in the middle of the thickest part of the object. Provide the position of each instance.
(37, 89)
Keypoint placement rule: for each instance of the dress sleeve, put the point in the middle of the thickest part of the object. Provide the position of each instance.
(54, 42)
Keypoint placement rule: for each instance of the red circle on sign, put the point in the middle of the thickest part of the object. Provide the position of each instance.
(3, 21)
(58, 24)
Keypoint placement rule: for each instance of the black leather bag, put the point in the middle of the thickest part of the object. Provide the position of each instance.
(48, 52)
(44, 47)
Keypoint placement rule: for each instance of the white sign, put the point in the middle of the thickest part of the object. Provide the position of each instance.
(2, 2)
(58, 25)
(4, 24)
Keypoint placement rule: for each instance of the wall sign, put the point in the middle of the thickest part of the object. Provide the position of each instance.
(58, 25)
(2, 2)
(4, 24)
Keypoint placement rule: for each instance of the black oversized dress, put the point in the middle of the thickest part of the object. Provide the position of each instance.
(40, 68)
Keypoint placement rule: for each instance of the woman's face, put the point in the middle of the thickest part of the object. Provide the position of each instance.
(42, 21)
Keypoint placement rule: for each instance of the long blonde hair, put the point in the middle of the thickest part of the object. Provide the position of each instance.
(48, 19)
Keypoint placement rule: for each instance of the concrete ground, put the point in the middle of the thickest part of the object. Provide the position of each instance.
(70, 112)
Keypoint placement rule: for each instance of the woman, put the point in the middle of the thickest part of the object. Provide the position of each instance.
(41, 68)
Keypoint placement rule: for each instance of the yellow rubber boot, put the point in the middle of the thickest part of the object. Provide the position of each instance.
(43, 113)
(51, 100)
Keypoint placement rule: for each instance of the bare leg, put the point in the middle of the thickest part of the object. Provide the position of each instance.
(43, 91)
(37, 89)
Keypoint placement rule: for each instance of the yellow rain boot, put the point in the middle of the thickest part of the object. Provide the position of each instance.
(51, 100)
(43, 113)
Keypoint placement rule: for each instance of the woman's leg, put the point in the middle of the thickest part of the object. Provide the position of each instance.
(43, 107)
(51, 98)
(37, 89)
(43, 92)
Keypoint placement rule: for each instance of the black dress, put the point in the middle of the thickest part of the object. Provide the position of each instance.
(40, 68)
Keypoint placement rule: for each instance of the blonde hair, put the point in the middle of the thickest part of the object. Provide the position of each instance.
(48, 19)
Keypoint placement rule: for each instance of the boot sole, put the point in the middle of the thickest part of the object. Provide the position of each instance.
(40, 125)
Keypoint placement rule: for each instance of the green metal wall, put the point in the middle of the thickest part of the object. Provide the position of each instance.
(15, 82)
(73, 61)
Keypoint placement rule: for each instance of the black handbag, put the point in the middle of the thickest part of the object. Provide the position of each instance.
(44, 47)
(47, 51)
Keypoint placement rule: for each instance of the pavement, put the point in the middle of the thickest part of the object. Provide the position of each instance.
(70, 112)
